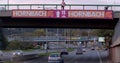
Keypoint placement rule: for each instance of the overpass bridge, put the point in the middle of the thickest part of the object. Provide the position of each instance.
(85, 16)
(8, 20)
(51, 38)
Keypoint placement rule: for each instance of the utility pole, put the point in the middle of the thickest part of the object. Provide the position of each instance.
(46, 45)
(57, 35)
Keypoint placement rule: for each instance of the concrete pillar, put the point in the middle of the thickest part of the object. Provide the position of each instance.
(1, 35)
(115, 50)
(116, 55)
(116, 31)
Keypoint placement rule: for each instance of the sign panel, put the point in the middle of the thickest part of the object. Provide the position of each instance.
(86, 14)
(92, 14)
(101, 39)
(33, 13)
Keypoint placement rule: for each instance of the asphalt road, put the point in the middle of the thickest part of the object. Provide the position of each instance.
(8, 55)
(90, 56)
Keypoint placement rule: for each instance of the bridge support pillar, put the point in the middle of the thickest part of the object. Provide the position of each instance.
(1, 36)
(115, 47)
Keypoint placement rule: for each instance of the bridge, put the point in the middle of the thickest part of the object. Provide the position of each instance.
(8, 20)
(93, 17)
(50, 38)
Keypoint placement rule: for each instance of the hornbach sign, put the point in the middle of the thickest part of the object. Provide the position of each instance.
(85, 14)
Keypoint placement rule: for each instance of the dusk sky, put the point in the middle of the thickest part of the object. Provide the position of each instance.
(59, 1)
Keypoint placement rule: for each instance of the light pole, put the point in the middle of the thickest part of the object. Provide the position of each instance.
(46, 45)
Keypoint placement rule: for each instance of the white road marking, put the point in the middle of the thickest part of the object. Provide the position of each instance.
(99, 57)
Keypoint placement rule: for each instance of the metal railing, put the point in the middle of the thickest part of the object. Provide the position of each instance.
(58, 6)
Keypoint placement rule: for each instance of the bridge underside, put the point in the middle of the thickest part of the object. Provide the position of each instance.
(60, 23)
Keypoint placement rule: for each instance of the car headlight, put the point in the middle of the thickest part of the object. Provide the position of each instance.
(13, 53)
(18, 53)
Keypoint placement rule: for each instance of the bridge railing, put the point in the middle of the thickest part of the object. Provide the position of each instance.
(58, 6)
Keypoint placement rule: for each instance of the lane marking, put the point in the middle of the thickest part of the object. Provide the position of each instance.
(99, 57)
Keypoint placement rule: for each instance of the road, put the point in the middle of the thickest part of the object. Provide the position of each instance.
(8, 55)
(90, 56)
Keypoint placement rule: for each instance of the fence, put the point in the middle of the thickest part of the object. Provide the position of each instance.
(58, 6)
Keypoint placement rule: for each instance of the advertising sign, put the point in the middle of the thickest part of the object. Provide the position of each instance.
(89, 14)
(33, 13)
(101, 39)
(92, 14)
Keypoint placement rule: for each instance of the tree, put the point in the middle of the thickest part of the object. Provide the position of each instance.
(15, 45)
(101, 32)
(75, 32)
(4, 43)
(3, 40)
(40, 32)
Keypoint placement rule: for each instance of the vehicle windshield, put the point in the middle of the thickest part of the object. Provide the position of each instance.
(18, 51)
(54, 55)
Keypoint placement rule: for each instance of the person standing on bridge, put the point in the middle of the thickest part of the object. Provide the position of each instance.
(62, 5)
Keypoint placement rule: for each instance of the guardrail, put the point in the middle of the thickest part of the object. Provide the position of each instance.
(24, 57)
(49, 38)
(58, 6)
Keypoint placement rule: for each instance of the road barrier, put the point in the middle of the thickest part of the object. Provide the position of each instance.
(24, 57)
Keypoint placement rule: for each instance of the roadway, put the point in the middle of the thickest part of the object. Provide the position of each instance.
(90, 56)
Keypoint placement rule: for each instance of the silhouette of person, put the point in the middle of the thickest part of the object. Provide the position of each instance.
(62, 4)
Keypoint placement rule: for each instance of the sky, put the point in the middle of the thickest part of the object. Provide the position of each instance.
(59, 1)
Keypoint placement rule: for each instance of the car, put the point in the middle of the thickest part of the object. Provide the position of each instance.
(84, 50)
(18, 53)
(79, 51)
(64, 52)
(1, 53)
(55, 58)
(92, 48)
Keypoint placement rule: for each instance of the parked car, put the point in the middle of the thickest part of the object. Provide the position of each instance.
(55, 58)
(18, 53)
(1, 53)
(64, 52)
